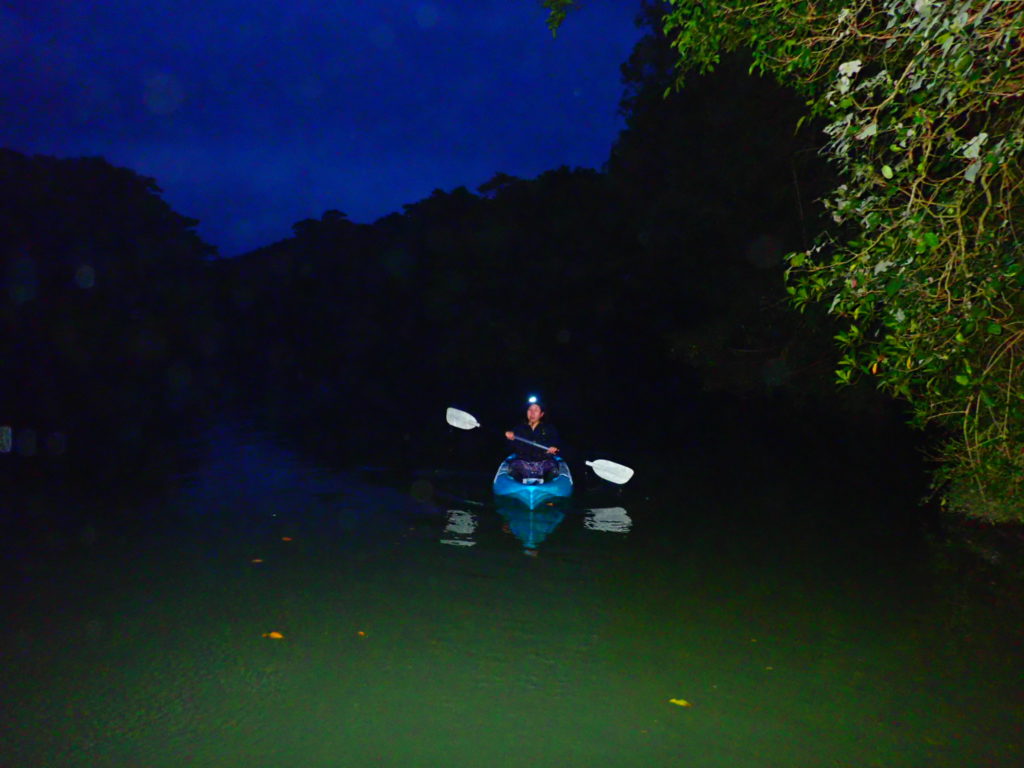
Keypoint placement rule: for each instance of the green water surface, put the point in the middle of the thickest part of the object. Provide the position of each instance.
(800, 628)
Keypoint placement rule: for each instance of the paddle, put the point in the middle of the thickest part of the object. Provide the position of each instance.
(608, 470)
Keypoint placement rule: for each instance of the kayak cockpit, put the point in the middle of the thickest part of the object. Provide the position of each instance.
(533, 491)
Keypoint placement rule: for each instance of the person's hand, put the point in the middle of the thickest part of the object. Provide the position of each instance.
(510, 435)
(552, 450)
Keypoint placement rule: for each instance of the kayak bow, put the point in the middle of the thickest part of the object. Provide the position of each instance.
(533, 491)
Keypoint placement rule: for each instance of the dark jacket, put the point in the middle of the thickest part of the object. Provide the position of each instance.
(545, 434)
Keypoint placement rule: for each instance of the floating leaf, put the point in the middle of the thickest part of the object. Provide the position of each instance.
(274, 635)
(680, 702)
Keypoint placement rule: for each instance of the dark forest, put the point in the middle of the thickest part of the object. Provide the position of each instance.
(642, 299)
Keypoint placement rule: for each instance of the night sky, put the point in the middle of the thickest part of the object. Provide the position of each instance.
(254, 115)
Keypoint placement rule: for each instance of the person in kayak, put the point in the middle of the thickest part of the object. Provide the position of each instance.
(530, 461)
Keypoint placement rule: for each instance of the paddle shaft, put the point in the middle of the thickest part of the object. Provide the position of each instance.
(530, 442)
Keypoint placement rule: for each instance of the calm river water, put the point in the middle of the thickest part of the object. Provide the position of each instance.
(754, 612)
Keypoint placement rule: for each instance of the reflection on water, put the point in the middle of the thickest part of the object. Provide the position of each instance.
(608, 519)
(459, 528)
(530, 526)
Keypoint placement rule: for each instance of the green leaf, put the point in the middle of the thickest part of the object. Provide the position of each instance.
(868, 131)
(796, 259)
(995, 329)
(893, 286)
(963, 379)
(887, 171)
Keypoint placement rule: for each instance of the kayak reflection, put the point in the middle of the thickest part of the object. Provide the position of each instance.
(530, 526)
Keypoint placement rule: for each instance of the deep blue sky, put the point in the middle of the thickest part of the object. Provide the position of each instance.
(253, 114)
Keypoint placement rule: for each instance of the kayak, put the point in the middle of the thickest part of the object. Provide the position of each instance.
(533, 491)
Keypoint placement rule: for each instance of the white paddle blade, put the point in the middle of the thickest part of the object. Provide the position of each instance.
(610, 471)
(461, 419)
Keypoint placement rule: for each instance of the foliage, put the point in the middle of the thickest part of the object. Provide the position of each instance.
(925, 122)
(678, 170)
(557, 9)
(926, 128)
(105, 321)
(450, 273)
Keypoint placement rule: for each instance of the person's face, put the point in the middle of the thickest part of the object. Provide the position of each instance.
(533, 413)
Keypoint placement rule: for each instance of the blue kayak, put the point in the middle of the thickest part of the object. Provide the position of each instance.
(533, 491)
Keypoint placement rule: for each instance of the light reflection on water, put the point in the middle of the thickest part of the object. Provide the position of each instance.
(416, 633)
(531, 526)
(609, 520)
(460, 527)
